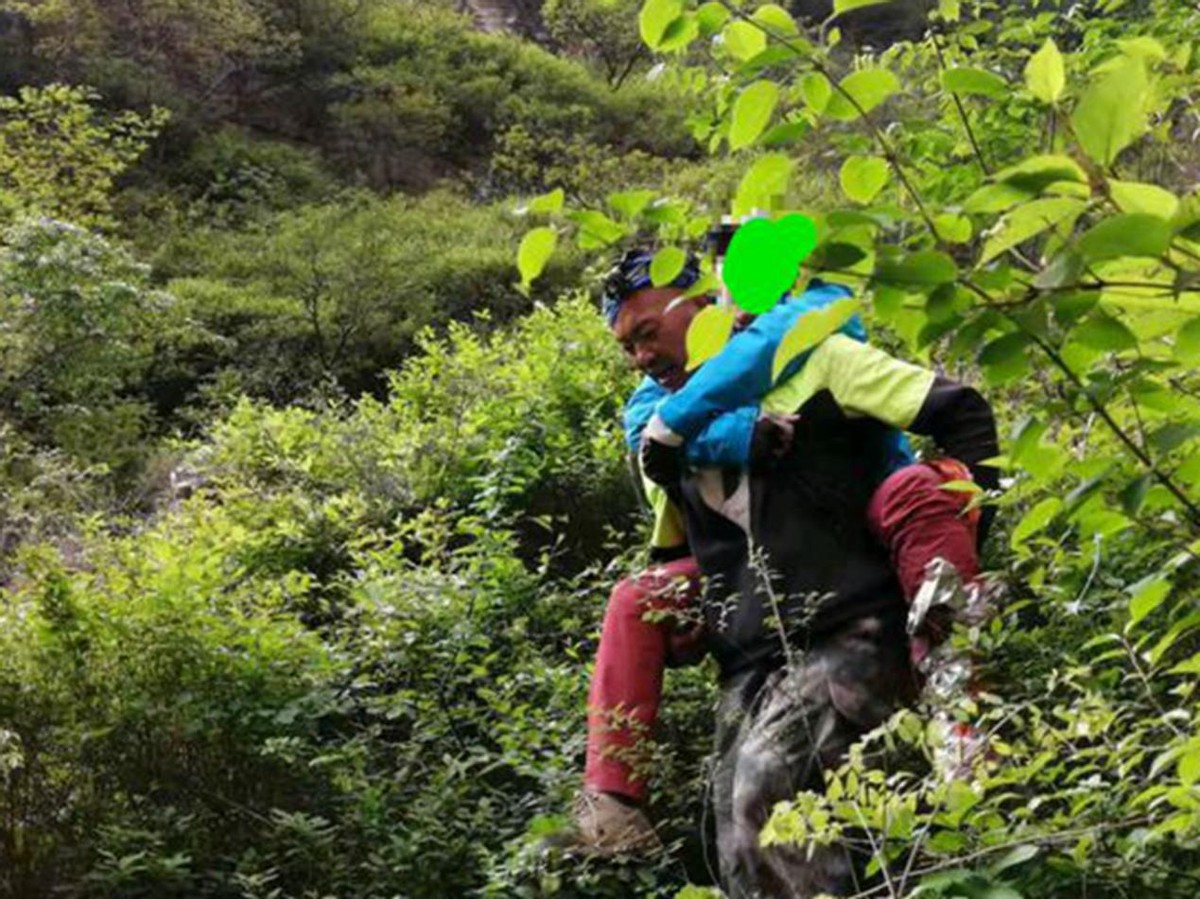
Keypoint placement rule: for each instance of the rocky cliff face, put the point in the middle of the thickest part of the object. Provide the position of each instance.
(522, 17)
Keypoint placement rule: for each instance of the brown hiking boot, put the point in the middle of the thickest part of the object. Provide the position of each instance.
(604, 825)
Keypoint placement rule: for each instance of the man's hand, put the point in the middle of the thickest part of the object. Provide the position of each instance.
(772, 437)
(661, 463)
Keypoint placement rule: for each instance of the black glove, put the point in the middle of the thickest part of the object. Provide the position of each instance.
(661, 463)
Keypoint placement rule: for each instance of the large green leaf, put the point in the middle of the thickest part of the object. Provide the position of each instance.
(536, 248)
(868, 87)
(666, 264)
(862, 177)
(1028, 221)
(596, 230)
(751, 112)
(711, 17)
(1133, 196)
(969, 80)
(1045, 75)
(811, 329)
(630, 203)
(1128, 234)
(1147, 596)
(1004, 360)
(1035, 520)
(743, 40)
(1111, 115)
(679, 34)
(766, 180)
(1038, 172)
(816, 91)
(546, 204)
(1105, 333)
(926, 268)
(708, 333)
(1187, 342)
(776, 19)
(656, 16)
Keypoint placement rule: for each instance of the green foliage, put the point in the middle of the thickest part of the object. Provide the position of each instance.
(338, 292)
(604, 31)
(59, 155)
(344, 665)
(82, 327)
(1007, 237)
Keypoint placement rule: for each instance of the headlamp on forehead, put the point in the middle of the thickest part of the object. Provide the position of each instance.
(632, 273)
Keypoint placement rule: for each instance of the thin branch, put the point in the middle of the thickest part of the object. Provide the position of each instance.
(885, 145)
(962, 112)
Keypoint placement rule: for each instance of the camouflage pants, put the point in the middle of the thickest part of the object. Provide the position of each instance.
(777, 732)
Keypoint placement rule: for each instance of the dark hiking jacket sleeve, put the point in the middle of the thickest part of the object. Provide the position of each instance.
(866, 381)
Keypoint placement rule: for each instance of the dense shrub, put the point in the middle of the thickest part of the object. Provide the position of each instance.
(339, 292)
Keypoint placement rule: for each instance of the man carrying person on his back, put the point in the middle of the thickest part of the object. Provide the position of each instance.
(810, 634)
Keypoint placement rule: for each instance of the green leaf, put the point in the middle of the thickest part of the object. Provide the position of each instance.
(1037, 173)
(993, 198)
(1147, 596)
(679, 34)
(545, 204)
(743, 40)
(1111, 115)
(1173, 435)
(666, 265)
(1003, 360)
(786, 133)
(1035, 520)
(767, 179)
(751, 112)
(969, 80)
(862, 177)
(711, 17)
(1105, 333)
(654, 19)
(811, 329)
(1189, 766)
(1045, 75)
(952, 227)
(1187, 342)
(1011, 859)
(1132, 196)
(928, 267)
(777, 19)
(596, 230)
(708, 333)
(1127, 234)
(630, 203)
(534, 252)
(868, 87)
(816, 90)
(1029, 220)
(841, 6)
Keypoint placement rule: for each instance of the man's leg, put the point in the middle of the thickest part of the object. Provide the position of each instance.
(801, 723)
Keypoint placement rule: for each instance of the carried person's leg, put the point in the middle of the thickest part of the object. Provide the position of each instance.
(647, 626)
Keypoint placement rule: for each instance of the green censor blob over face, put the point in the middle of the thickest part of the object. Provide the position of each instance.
(763, 258)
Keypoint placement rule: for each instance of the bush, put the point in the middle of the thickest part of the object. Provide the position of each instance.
(339, 292)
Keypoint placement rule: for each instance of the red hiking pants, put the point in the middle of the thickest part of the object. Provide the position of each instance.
(647, 621)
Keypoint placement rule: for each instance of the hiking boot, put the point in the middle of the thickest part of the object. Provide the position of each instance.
(606, 825)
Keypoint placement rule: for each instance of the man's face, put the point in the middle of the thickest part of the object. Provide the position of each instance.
(655, 337)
